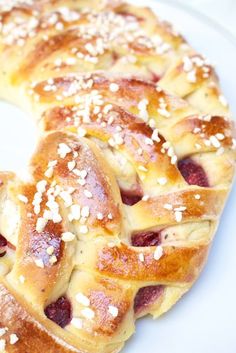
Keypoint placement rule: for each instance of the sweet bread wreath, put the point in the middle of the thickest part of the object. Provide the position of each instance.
(134, 163)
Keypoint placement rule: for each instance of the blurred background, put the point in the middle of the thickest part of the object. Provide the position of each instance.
(222, 11)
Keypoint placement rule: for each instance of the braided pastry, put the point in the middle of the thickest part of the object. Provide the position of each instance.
(124, 193)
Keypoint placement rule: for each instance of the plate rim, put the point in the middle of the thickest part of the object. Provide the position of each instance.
(214, 24)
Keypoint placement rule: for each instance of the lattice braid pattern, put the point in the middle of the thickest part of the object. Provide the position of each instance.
(134, 163)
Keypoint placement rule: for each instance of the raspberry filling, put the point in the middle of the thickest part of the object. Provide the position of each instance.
(60, 312)
(130, 198)
(146, 239)
(147, 296)
(193, 173)
(3, 246)
(155, 78)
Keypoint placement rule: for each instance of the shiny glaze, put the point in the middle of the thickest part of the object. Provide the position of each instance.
(177, 264)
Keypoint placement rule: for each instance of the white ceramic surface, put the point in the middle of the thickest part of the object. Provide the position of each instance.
(224, 12)
(205, 320)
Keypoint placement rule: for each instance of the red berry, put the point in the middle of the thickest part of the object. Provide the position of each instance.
(130, 198)
(155, 78)
(3, 245)
(146, 239)
(147, 296)
(193, 173)
(60, 312)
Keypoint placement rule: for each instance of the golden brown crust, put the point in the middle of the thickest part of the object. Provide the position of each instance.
(176, 264)
(205, 206)
(32, 332)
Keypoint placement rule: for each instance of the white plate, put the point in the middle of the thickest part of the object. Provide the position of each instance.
(205, 320)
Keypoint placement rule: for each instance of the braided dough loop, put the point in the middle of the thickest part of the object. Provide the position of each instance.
(124, 107)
